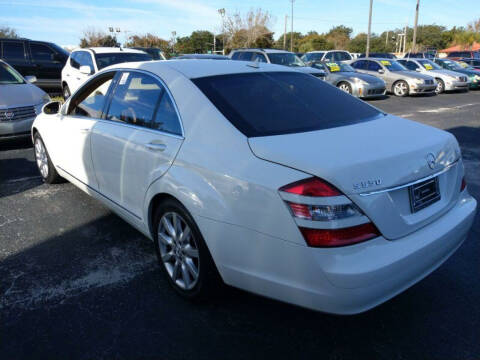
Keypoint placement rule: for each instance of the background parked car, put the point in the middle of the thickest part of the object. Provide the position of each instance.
(202, 57)
(400, 81)
(452, 65)
(379, 55)
(447, 80)
(475, 63)
(331, 55)
(421, 55)
(351, 81)
(41, 59)
(156, 53)
(20, 102)
(457, 55)
(85, 62)
(278, 57)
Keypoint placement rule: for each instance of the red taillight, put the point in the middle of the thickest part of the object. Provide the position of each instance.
(331, 210)
(311, 187)
(339, 237)
(464, 184)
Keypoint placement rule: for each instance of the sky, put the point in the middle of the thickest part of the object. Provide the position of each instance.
(64, 21)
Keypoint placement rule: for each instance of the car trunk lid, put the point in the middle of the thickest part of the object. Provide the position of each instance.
(371, 163)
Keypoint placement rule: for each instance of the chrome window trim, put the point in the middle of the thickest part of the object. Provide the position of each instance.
(445, 169)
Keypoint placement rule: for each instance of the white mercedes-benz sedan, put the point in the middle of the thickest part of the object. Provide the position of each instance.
(262, 177)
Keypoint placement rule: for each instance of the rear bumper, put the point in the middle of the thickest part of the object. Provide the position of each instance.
(346, 280)
(13, 129)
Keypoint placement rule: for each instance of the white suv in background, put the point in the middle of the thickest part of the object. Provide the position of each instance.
(84, 62)
(330, 55)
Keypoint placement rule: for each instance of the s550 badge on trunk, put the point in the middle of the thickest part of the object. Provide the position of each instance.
(367, 184)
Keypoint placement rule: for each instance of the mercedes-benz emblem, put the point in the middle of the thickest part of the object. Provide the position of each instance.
(431, 160)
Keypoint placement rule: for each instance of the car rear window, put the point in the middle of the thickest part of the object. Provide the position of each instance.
(274, 103)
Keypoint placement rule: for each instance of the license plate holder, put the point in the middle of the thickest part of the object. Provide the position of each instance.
(423, 194)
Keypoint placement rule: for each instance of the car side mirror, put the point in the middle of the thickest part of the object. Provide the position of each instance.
(86, 69)
(381, 71)
(52, 108)
(31, 79)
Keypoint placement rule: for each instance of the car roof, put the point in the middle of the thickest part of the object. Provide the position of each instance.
(268, 51)
(324, 51)
(192, 68)
(202, 56)
(109, 50)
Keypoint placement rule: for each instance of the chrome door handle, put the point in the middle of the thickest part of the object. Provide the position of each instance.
(155, 146)
(85, 130)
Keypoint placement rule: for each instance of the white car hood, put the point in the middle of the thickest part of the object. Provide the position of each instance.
(20, 95)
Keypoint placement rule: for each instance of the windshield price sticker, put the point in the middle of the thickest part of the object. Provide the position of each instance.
(428, 66)
(386, 62)
(333, 67)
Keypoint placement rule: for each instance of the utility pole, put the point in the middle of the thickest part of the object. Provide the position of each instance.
(414, 42)
(291, 34)
(214, 43)
(222, 14)
(285, 34)
(386, 39)
(405, 39)
(367, 52)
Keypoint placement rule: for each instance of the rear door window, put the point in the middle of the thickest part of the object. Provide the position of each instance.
(41, 53)
(373, 66)
(13, 51)
(282, 103)
(361, 64)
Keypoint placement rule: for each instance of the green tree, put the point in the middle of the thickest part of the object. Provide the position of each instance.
(93, 38)
(197, 43)
(297, 37)
(8, 32)
(313, 41)
(339, 36)
(149, 40)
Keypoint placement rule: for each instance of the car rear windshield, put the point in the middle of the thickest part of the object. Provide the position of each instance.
(107, 59)
(8, 76)
(274, 103)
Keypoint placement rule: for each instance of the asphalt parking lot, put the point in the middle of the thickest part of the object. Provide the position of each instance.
(79, 283)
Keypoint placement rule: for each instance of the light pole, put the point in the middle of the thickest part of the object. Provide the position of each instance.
(291, 31)
(222, 14)
(414, 42)
(174, 37)
(367, 52)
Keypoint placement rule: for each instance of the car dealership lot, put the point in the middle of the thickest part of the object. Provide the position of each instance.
(78, 282)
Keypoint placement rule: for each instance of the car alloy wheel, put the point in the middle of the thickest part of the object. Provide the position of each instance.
(440, 87)
(178, 250)
(401, 88)
(345, 87)
(41, 157)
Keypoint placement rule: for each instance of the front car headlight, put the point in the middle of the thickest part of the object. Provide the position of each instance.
(418, 81)
(360, 81)
(476, 77)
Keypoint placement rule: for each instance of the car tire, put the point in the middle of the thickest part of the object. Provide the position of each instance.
(440, 86)
(42, 159)
(345, 86)
(66, 92)
(186, 263)
(400, 88)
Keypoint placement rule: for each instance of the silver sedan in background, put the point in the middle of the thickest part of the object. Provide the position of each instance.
(400, 81)
(349, 80)
(20, 102)
(447, 80)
